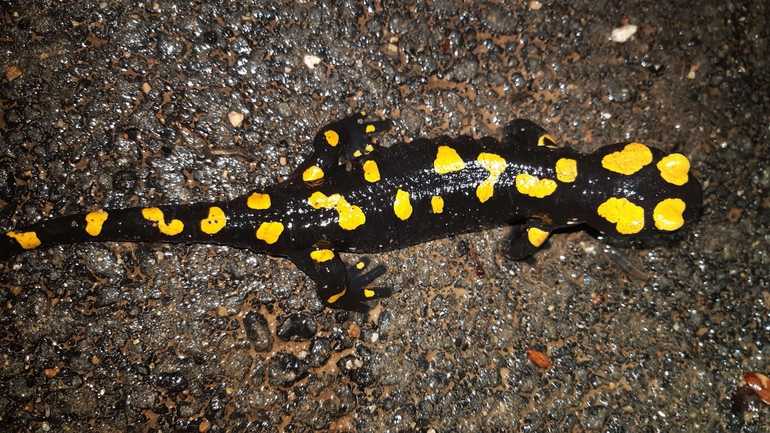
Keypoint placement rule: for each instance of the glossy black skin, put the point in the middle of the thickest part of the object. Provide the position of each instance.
(405, 166)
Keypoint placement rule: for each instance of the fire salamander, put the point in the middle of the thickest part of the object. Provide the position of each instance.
(351, 196)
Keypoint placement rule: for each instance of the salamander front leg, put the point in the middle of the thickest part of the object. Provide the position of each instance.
(520, 131)
(525, 239)
(338, 286)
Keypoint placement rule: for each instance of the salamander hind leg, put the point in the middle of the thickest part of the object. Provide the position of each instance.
(340, 142)
(338, 286)
(522, 131)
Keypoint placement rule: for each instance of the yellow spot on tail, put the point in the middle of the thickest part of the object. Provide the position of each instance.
(369, 129)
(269, 232)
(332, 138)
(447, 160)
(547, 141)
(95, 222)
(258, 201)
(629, 160)
(215, 222)
(312, 173)
(674, 168)
(495, 165)
(335, 298)
(534, 187)
(26, 240)
(566, 170)
(627, 217)
(156, 215)
(536, 236)
(437, 203)
(371, 171)
(350, 216)
(668, 214)
(369, 293)
(322, 255)
(401, 205)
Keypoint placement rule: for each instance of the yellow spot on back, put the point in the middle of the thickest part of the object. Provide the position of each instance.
(369, 148)
(322, 255)
(627, 217)
(360, 265)
(258, 201)
(401, 205)
(369, 129)
(26, 240)
(350, 216)
(668, 214)
(437, 203)
(536, 236)
(357, 153)
(369, 293)
(541, 141)
(156, 215)
(335, 298)
(332, 138)
(215, 222)
(269, 232)
(674, 168)
(447, 160)
(371, 171)
(495, 165)
(312, 173)
(534, 187)
(629, 160)
(95, 222)
(566, 170)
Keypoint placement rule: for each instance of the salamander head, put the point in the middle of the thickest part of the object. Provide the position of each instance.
(640, 190)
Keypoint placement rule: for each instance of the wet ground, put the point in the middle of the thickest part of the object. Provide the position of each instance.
(114, 104)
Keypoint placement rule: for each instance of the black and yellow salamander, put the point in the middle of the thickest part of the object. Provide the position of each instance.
(351, 196)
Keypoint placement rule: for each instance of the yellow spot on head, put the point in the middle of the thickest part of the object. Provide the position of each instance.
(26, 240)
(312, 173)
(541, 141)
(371, 171)
(629, 160)
(350, 216)
(269, 232)
(335, 298)
(322, 255)
(627, 217)
(215, 221)
(95, 222)
(156, 215)
(534, 187)
(495, 165)
(437, 203)
(674, 168)
(332, 138)
(369, 293)
(401, 205)
(536, 236)
(447, 161)
(369, 129)
(258, 201)
(566, 170)
(668, 214)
